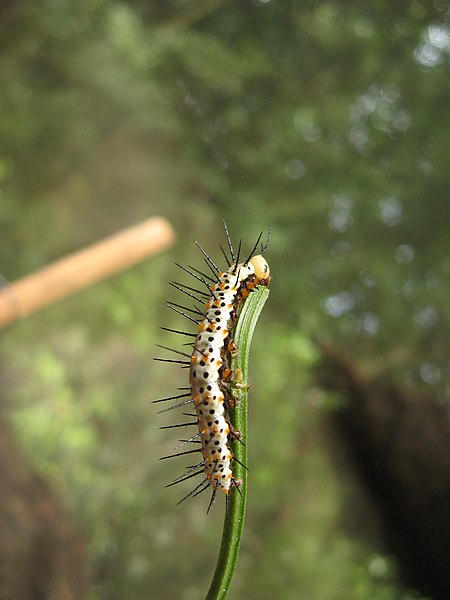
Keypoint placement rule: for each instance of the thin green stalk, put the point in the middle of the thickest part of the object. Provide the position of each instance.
(235, 514)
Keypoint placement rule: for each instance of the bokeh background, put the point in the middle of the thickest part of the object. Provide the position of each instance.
(327, 120)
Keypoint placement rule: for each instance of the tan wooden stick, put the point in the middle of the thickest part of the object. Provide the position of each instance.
(82, 268)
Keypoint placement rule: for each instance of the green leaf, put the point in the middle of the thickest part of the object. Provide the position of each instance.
(237, 499)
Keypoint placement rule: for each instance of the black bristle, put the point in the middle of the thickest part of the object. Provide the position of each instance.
(236, 263)
(187, 287)
(240, 463)
(225, 256)
(216, 277)
(204, 275)
(266, 245)
(230, 245)
(194, 310)
(178, 425)
(208, 259)
(178, 331)
(254, 248)
(194, 438)
(194, 275)
(184, 478)
(180, 454)
(179, 405)
(170, 360)
(171, 398)
(180, 289)
(194, 492)
(237, 276)
(213, 499)
(183, 314)
(173, 350)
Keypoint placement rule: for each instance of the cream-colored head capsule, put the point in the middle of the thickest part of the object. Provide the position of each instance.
(260, 266)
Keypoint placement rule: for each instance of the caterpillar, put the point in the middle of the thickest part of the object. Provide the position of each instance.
(208, 391)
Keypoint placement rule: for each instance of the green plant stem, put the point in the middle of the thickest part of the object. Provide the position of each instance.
(235, 514)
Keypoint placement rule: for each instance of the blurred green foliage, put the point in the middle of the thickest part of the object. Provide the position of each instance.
(327, 120)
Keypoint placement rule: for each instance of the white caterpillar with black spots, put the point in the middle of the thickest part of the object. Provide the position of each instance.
(209, 364)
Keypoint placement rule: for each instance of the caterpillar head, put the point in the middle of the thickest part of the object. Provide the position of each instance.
(260, 267)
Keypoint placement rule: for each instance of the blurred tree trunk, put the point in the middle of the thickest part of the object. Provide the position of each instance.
(400, 444)
(42, 556)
